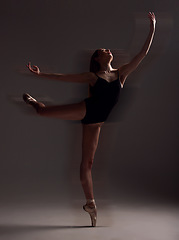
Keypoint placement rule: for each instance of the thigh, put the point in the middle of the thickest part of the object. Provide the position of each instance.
(74, 111)
(90, 140)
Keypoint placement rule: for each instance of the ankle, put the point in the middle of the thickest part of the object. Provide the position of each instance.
(38, 106)
(90, 203)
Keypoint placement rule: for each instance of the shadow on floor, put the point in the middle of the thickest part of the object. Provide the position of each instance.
(20, 228)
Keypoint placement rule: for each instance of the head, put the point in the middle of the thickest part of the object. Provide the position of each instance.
(100, 56)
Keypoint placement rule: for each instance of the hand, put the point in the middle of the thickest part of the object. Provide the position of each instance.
(152, 18)
(35, 69)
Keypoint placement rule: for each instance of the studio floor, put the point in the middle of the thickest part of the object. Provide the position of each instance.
(115, 222)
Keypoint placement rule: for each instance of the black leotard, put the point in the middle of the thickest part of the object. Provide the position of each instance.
(104, 95)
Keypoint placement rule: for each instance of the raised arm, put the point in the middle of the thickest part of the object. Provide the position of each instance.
(126, 69)
(86, 77)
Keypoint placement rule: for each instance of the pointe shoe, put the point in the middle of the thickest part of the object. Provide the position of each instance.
(93, 214)
(28, 99)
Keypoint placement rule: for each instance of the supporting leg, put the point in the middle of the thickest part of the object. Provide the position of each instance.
(89, 145)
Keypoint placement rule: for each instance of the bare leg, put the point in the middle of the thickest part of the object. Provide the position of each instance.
(75, 111)
(89, 145)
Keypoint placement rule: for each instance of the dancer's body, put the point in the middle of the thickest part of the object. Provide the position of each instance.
(105, 84)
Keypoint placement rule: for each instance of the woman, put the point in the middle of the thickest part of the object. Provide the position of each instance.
(105, 84)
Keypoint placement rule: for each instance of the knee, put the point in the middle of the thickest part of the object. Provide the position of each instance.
(87, 165)
(90, 163)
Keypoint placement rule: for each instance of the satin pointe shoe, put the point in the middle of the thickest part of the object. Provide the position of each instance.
(32, 101)
(93, 214)
(28, 99)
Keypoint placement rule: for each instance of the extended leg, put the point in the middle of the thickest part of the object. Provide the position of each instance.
(75, 111)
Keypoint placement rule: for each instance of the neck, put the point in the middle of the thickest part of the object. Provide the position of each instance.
(105, 67)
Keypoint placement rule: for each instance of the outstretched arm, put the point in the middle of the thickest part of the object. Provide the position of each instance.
(81, 77)
(126, 69)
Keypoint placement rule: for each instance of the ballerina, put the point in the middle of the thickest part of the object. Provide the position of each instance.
(105, 84)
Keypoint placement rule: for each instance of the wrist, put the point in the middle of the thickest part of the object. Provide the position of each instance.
(152, 26)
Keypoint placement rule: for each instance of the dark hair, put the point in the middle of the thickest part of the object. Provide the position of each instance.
(94, 65)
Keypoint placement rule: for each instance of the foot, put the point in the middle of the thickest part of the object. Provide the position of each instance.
(32, 101)
(92, 210)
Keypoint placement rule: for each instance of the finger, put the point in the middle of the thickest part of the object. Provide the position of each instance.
(149, 14)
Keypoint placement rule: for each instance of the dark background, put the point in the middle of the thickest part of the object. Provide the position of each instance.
(137, 157)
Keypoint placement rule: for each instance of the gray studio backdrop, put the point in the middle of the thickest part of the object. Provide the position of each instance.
(137, 155)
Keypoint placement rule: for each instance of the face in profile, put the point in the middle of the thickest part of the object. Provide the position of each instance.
(104, 55)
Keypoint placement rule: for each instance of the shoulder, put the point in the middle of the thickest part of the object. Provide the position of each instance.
(122, 68)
